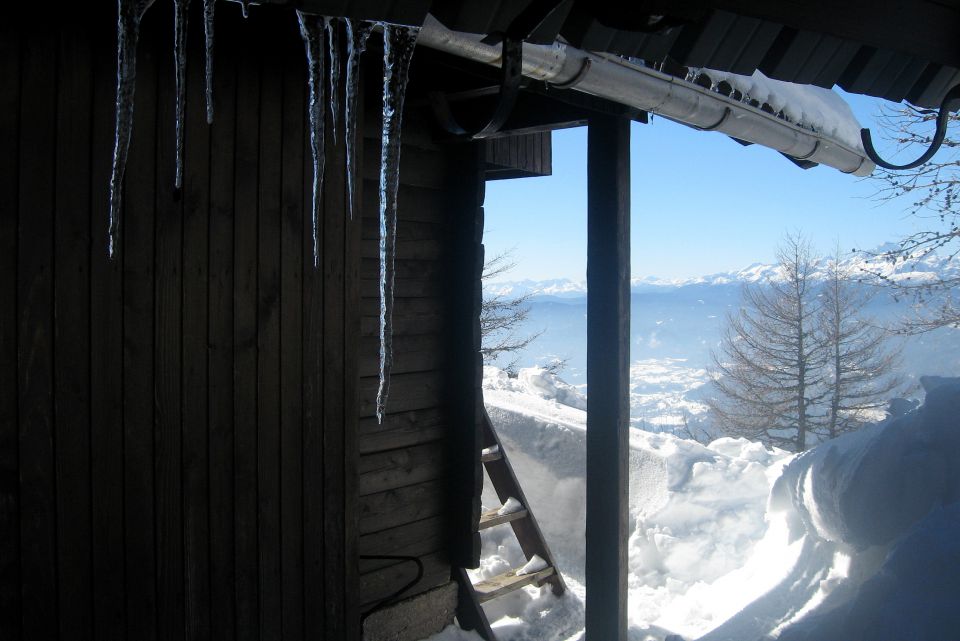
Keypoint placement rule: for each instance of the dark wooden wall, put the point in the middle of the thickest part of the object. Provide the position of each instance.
(420, 470)
(520, 156)
(177, 426)
(187, 440)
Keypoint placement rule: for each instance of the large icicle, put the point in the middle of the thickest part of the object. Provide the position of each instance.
(357, 35)
(129, 13)
(180, 8)
(312, 29)
(333, 42)
(398, 45)
(208, 9)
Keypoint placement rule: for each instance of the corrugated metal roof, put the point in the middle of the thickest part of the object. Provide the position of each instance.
(741, 44)
(908, 50)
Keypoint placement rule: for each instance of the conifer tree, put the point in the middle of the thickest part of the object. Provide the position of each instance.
(769, 367)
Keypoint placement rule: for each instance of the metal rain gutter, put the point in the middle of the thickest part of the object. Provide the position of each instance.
(629, 84)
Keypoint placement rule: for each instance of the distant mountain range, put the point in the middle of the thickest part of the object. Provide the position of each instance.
(675, 324)
(863, 265)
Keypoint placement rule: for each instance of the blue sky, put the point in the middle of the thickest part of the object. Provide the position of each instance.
(700, 204)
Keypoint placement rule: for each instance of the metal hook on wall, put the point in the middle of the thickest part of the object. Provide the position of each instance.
(949, 102)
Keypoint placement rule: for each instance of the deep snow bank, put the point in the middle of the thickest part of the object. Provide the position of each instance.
(869, 487)
(696, 512)
(856, 530)
(890, 493)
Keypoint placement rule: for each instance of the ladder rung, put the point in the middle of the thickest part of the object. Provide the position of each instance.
(491, 518)
(508, 582)
(487, 457)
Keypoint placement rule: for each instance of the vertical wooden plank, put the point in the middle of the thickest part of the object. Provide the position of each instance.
(547, 152)
(291, 345)
(314, 495)
(137, 250)
(351, 394)
(530, 158)
(465, 364)
(35, 349)
(245, 344)
(168, 345)
(268, 349)
(196, 198)
(72, 333)
(106, 367)
(335, 467)
(608, 351)
(220, 340)
(9, 422)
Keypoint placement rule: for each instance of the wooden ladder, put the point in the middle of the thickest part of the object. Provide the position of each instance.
(470, 612)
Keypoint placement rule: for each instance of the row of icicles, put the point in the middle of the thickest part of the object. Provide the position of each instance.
(316, 31)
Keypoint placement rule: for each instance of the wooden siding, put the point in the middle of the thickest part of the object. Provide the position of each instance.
(178, 425)
(420, 470)
(519, 156)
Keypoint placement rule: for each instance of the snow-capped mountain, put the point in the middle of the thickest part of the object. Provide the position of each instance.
(865, 265)
(675, 324)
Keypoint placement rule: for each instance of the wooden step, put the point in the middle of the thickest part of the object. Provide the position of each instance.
(488, 455)
(491, 518)
(508, 582)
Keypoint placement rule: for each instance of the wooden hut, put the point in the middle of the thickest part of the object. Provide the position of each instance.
(188, 447)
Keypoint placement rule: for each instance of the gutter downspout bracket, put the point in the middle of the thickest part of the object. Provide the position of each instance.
(726, 114)
(950, 102)
(510, 78)
(573, 82)
(528, 24)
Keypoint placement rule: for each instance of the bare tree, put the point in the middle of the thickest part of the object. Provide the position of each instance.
(693, 430)
(860, 365)
(502, 317)
(800, 361)
(932, 194)
(768, 371)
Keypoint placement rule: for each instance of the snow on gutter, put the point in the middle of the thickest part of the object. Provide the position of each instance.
(643, 88)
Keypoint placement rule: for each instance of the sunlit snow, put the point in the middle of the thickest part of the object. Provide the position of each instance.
(732, 541)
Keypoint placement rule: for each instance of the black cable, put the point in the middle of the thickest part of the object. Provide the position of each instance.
(395, 595)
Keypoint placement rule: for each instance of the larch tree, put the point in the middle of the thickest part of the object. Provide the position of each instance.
(768, 371)
(860, 364)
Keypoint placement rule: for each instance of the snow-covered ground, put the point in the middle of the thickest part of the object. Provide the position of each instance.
(675, 324)
(662, 394)
(856, 539)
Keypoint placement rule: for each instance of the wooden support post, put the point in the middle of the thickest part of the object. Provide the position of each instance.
(464, 387)
(608, 352)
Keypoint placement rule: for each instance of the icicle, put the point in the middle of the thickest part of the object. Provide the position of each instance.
(311, 29)
(398, 45)
(208, 7)
(245, 8)
(333, 45)
(180, 8)
(129, 13)
(357, 35)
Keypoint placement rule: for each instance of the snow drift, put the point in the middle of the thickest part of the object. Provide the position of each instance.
(858, 538)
